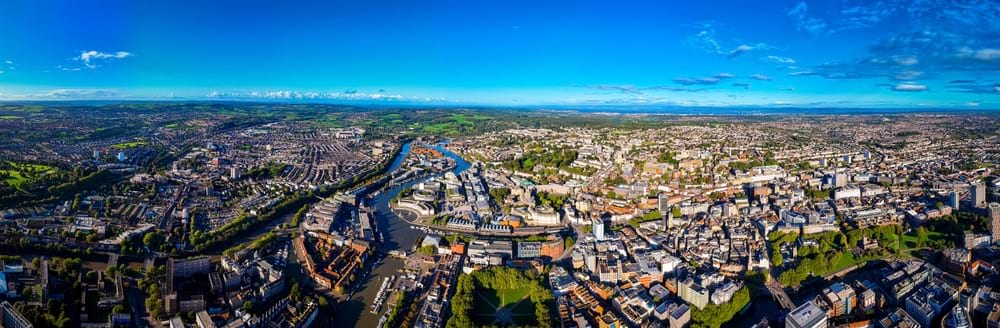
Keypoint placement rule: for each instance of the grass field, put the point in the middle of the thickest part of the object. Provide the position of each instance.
(10, 117)
(14, 178)
(20, 172)
(846, 260)
(127, 145)
(453, 125)
(506, 297)
(488, 301)
(910, 241)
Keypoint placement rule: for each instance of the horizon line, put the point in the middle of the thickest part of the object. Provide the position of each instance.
(592, 108)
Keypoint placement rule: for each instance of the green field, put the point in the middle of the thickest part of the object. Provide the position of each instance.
(127, 145)
(453, 124)
(501, 296)
(14, 178)
(505, 297)
(910, 241)
(515, 300)
(846, 261)
(10, 117)
(19, 173)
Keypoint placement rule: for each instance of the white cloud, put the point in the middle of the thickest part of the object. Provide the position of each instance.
(67, 94)
(908, 75)
(909, 87)
(311, 95)
(89, 58)
(760, 77)
(79, 94)
(972, 103)
(804, 22)
(724, 76)
(779, 59)
(744, 85)
(744, 48)
(706, 39)
(906, 60)
(988, 54)
(694, 81)
(739, 50)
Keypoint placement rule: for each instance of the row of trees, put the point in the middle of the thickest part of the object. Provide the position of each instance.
(551, 199)
(53, 313)
(499, 278)
(148, 284)
(53, 187)
(835, 250)
(649, 216)
(716, 315)
(399, 310)
(581, 170)
(271, 169)
(558, 158)
(299, 215)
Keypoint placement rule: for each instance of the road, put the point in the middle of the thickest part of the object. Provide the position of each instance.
(137, 301)
(568, 252)
(165, 218)
(778, 293)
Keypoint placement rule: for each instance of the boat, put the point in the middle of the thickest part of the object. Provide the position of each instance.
(382, 294)
(381, 321)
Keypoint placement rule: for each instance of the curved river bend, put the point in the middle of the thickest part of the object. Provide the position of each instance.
(397, 236)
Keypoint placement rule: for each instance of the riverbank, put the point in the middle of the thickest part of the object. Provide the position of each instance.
(398, 235)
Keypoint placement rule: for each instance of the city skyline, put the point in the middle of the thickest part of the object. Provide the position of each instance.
(886, 54)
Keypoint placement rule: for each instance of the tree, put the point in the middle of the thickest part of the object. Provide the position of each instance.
(247, 306)
(28, 293)
(922, 236)
(118, 309)
(76, 202)
(776, 257)
(461, 303)
(568, 242)
(64, 322)
(427, 250)
(295, 291)
(716, 315)
(152, 240)
(499, 194)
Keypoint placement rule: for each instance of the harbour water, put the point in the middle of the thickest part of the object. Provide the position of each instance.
(398, 236)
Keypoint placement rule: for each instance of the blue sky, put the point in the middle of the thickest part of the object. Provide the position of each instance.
(838, 53)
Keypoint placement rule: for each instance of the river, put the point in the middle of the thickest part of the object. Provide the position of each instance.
(397, 236)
